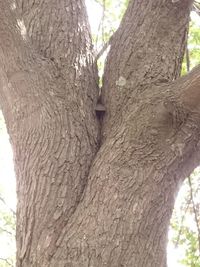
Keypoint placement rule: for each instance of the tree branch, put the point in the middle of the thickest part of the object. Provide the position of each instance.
(11, 210)
(187, 52)
(185, 97)
(58, 30)
(6, 261)
(143, 44)
(181, 223)
(103, 49)
(22, 66)
(196, 7)
(195, 212)
(49, 109)
(6, 231)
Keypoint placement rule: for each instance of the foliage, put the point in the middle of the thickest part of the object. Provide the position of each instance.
(193, 46)
(2, 123)
(7, 233)
(112, 12)
(7, 215)
(185, 222)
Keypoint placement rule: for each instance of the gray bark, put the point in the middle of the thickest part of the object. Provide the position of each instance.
(86, 199)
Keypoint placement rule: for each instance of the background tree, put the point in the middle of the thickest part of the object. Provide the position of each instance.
(7, 205)
(7, 233)
(97, 193)
(184, 232)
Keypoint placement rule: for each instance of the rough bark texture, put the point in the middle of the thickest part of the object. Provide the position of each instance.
(50, 114)
(85, 199)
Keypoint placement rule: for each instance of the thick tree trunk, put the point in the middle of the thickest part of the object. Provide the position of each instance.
(86, 199)
(49, 106)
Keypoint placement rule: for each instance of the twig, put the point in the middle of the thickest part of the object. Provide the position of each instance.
(181, 223)
(196, 7)
(3, 201)
(103, 19)
(187, 58)
(103, 49)
(6, 231)
(101, 26)
(5, 260)
(195, 211)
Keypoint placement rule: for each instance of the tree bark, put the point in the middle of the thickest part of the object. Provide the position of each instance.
(51, 120)
(86, 199)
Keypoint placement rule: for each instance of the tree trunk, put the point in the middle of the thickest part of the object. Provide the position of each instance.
(90, 192)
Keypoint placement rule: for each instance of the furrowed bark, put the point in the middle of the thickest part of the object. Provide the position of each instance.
(150, 45)
(59, 30)
(119, 216)
(124, 217)
(152, 146)
(51, 120)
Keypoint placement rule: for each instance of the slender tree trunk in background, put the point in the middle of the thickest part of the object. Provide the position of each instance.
(90, 193)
